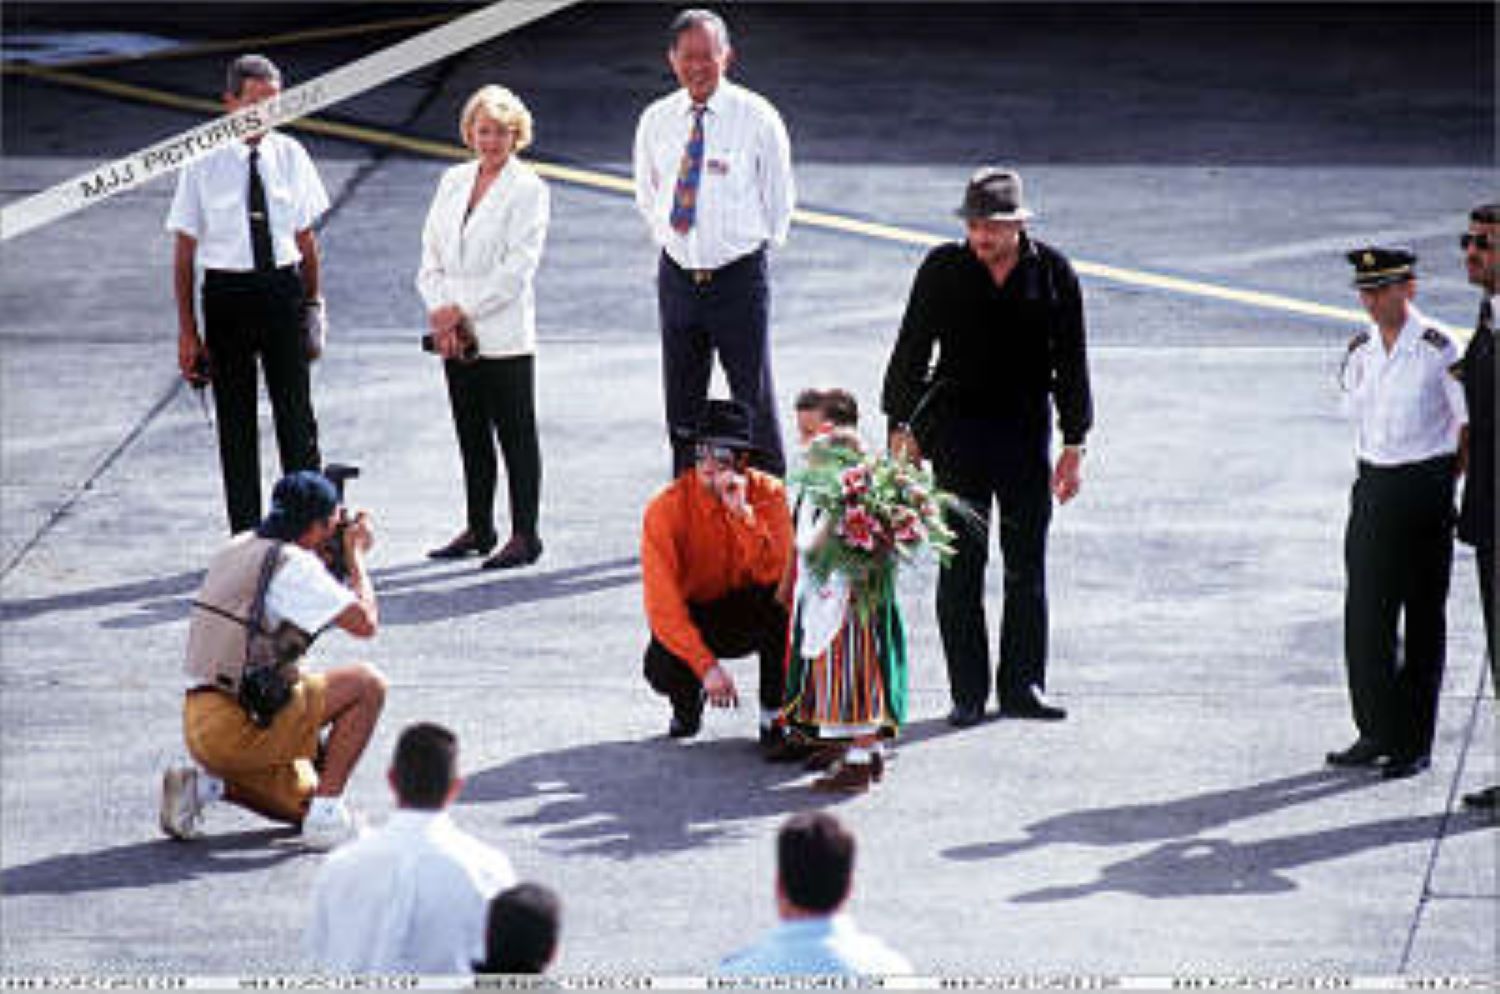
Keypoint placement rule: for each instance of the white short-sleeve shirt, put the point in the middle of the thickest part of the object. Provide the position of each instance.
(1406, 404)
(303, 592)
(212, 202)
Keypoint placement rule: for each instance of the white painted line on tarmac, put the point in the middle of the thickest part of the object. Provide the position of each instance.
(1330, 245)
(173, 153)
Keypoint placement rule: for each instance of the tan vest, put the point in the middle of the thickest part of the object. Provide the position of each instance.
(216, 644)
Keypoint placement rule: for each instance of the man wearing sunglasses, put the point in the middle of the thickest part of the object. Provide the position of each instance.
(714, 545)
(1476, 521)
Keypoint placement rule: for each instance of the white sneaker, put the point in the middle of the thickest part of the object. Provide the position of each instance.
(181, 811)
(328, 825)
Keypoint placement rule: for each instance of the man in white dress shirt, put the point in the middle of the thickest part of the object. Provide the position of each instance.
(413, 897)
(1408, 410)
(244, 215)
(713, 178)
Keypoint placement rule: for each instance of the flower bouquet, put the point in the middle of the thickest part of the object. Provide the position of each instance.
(877, 512)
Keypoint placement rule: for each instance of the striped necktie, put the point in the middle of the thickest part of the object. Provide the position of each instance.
(689, 172)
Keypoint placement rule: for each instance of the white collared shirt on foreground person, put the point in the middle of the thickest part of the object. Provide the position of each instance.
(1406, 405)
(822, 946)
(211, 204)
(411, 897)
(745, 193)
(486, 263)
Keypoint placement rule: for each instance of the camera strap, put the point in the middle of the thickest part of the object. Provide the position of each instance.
(258, 606)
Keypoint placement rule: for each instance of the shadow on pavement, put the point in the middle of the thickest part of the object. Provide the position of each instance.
(409, 597)
(154, 602)
(412, 593)
(1219, 867)
(147, 864)
(1188, 866)
(629, 799)
(1179, 819)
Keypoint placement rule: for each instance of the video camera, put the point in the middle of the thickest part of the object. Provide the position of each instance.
(332, 552)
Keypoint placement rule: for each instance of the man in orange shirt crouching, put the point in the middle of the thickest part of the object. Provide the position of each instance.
(713, 546)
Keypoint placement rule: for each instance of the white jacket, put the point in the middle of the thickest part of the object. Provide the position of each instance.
(487, 266)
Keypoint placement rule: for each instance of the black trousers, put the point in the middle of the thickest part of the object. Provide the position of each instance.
(250, 317)
(1398, 552)
(1484, 558)
(986, 462)
(727, 313)
(744, 622)
(495, 399)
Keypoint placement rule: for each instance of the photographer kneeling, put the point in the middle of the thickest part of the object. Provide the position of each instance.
(252, 720)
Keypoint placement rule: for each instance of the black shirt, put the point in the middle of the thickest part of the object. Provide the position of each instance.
(1002, 350)
(1476, 522)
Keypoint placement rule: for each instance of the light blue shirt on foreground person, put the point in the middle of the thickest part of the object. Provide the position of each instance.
(814, 871)
(831, 945)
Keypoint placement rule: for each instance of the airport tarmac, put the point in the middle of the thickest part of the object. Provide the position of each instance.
(1179, 823)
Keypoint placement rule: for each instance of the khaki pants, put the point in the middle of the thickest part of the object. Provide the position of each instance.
(269, 770)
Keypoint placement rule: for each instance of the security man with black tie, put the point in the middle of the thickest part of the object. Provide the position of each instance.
(1408, 410)
(245, 215)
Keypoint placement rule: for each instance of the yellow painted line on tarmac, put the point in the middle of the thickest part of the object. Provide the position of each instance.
(259, 43)
(824, 220)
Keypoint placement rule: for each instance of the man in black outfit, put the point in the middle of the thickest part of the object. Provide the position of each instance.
(1476, 521)
(1006, 315)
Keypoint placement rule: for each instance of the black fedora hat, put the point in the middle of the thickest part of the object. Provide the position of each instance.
(726, 423)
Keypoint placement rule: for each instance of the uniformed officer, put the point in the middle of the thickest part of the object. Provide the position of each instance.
(245, 214)
(1407, 410)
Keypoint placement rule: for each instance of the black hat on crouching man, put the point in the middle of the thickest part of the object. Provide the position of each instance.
(1377, 267)
(725, 423)
(299, 500)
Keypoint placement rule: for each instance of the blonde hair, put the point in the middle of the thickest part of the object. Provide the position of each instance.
(502, 107)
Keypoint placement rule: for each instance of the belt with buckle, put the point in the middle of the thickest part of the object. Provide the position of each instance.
(703, 277)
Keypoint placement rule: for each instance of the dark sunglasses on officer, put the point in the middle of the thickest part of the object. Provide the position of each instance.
(1482, 242)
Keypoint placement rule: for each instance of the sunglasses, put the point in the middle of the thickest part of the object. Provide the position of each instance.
(1482, 242)
(720, 455)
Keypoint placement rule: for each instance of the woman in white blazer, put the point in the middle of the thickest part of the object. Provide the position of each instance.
(480, 250)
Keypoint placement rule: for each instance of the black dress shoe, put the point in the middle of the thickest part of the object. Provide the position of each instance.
(521, 550)
(966, 715)
(1483, 800)
(464, 545)
(1403, 767)
(1031, 705)
(1365, 752)
(686, 719)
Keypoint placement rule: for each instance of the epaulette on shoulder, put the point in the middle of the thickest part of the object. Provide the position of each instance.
(1436, 339)
(1358, 340)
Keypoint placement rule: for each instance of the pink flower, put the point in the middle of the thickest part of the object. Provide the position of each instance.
(909, 528)
(855, 480)
(858, 529)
